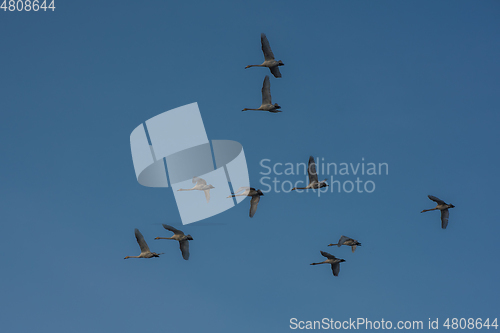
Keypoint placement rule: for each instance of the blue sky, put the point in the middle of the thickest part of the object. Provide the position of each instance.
(413, 84)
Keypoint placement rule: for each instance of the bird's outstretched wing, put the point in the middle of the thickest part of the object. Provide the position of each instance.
(311, 170)
(342, 240)
(327, 255)
(184, 245)
(199, 181)
(336, 269)
(266, 91)
(353, 248)
(170, 228)
(275, 71)
(445, 214)
(207, 195)
(142, 243)
(243, 188)
(266, 48)
(253, 204)
(439, 201)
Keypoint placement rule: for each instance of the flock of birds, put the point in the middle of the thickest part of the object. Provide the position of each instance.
(178, 236)
(273, 65)
(201, 185)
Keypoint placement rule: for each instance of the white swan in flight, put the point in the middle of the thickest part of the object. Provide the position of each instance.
(344, 240)
(443, 207)
(269, 60)
(145, 252)
(313, 177)
(249, 192)
(267, 105)
(179, 236)
(201, 185)
(331, 259)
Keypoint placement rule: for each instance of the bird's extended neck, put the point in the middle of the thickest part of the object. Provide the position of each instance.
(254, 66)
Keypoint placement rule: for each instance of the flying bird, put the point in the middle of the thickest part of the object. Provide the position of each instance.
(313, 177)
(145, 252)
(344, 240)
(331, 259)
(249, 192)
(201, 185)
(179, 236)
(267, 105)
(269, 60)
(443, 207)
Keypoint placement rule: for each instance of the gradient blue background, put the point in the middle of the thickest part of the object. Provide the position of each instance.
(414, 84)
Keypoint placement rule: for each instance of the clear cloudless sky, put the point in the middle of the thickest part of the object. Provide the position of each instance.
(414, 84)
